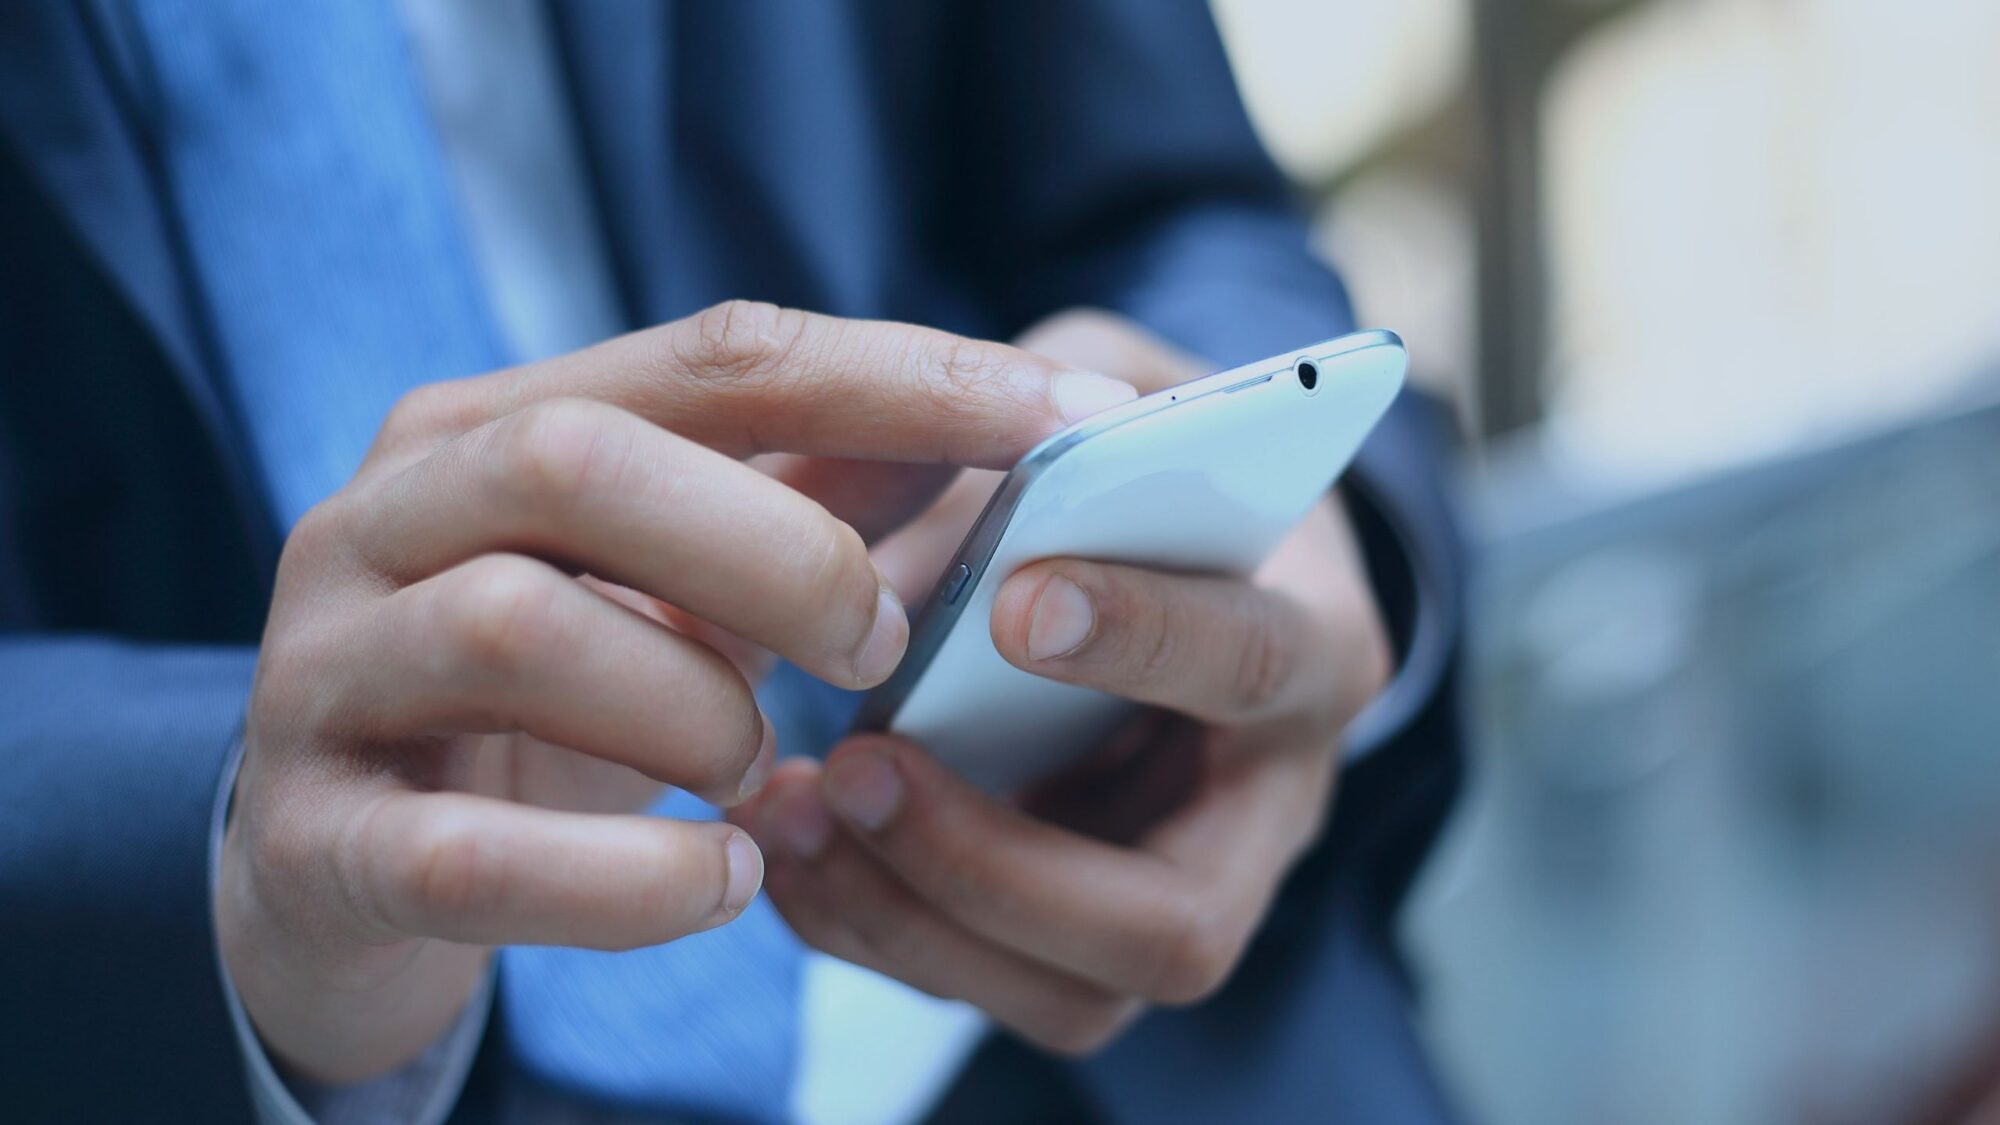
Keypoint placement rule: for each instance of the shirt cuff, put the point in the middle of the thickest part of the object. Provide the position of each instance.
(422, 1092)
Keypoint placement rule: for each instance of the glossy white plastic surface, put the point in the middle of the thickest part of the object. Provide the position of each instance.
(1208, 476)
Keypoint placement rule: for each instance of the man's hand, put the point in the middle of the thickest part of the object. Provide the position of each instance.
(451, 728)
(1142, 878)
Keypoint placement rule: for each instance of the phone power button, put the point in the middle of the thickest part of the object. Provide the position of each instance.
(955, 585)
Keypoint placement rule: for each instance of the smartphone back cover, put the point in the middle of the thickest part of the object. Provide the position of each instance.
(1212, 484)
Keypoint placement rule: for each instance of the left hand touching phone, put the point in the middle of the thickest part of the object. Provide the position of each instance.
(1140, 877)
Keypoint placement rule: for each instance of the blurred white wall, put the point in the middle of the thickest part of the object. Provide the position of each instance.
(1330, 81)
(1327, 80)
(1726, 855)
(1770, 223)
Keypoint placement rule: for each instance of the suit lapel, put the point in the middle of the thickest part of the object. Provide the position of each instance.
(64, 113)
(66, 109)
(619, 61)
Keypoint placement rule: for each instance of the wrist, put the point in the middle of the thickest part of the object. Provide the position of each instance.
(326, 1006)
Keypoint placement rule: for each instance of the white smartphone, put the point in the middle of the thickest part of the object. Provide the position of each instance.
(1207, 476)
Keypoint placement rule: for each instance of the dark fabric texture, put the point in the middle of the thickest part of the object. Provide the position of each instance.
(974, 166)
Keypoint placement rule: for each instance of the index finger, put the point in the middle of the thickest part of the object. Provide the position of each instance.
(746, 377)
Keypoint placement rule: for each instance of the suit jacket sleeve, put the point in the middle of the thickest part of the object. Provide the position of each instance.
(113, 756)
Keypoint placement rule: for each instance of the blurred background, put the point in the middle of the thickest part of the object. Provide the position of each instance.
(1714, 289)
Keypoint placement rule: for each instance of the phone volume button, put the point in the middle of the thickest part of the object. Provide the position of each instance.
(955, 585)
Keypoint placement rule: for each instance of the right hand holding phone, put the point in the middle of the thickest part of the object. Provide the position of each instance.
(451, 729)
(1142, 877)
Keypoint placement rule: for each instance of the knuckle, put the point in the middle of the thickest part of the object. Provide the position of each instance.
(1267, 652)
(322, 537)
(891, 934)
(423, 413)
(827, 600)
(317, 530)
(357, 878)
(965, 875)
(554, 452)
(292, 861)
(499, 610)
(959, 375)
(841, 576)
(1193, 959)
(332, 554)
(452, 871)
(313, 602)
(1155, 630)
(966, 364)
(739, 341)
(956, 868)
(295, 700)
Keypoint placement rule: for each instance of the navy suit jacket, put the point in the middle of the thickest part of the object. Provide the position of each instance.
(969, 165)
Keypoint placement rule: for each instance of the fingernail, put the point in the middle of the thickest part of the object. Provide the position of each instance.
(1079, 394)
(886, 638)
(865, 789)
(802, 823)
(746, 872)
(1062, 620)
(761, 767)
